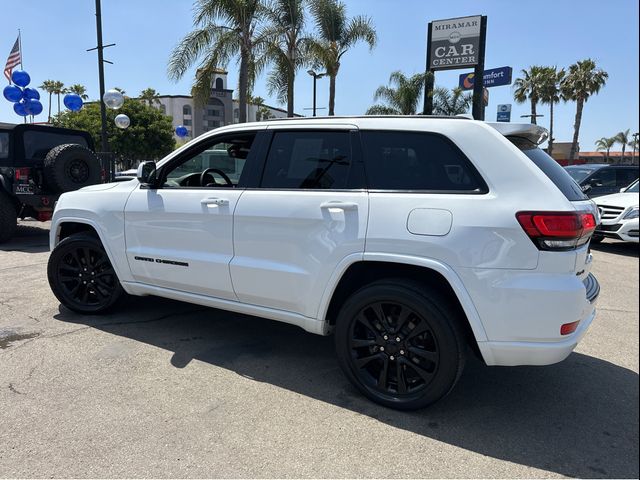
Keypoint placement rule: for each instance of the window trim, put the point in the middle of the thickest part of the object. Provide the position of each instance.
(356, 181)
(483, 188)
(251, 162)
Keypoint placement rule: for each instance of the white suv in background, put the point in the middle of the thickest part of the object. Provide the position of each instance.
(413, 240)
(619, 213)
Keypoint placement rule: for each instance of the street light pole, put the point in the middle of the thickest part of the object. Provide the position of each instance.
(315, 76)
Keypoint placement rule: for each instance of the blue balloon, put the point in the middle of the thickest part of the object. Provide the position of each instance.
(182, 131)
(31, 93)
(33, 107)
(12, 93)
(73, 102)
(19, 108)
(20, 78)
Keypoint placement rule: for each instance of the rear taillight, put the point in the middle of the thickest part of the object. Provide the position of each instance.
(22, 174)
(557, 230)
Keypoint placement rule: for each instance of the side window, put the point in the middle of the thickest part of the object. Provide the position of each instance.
(4, 144)
(605, 177)
(626, 176)
(226, 158)
(308, 160)
(417, 161)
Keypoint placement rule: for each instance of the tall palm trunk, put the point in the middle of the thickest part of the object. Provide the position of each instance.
(576, 130)
(290, 81)
(244, 86)
(550, 147)
(533, 111)
(50, 95)
(332, 94)
(623, 149)
(608, 149)
(58, 103)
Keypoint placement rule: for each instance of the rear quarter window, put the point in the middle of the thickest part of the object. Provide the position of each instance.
(552, 169)
(396, 160)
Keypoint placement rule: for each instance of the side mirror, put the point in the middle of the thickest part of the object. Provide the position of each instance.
(147, 173)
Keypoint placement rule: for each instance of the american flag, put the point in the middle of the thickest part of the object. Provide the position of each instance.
(15, 58)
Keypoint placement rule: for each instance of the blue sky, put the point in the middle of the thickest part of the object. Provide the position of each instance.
(550, 32)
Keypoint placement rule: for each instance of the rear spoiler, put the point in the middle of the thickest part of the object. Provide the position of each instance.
(531, 132)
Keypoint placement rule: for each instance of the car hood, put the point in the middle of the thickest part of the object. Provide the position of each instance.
(618, 200)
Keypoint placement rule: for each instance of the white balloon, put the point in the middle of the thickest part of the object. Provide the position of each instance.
(113, 99)
(122, 121)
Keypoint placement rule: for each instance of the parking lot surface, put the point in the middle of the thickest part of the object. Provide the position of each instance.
(164, 389)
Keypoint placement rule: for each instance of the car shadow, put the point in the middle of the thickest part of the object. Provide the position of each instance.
(31, 237)
(618, 247)
(578, 418)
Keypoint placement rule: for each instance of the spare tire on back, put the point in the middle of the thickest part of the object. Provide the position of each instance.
(71, 166)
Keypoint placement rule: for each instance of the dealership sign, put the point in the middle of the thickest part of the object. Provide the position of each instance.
(496, 77)
(454, 43)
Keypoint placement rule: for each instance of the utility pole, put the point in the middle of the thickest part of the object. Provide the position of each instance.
(103, 109)
(478, 77)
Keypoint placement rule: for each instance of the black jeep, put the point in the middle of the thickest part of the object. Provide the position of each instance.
(37, 164)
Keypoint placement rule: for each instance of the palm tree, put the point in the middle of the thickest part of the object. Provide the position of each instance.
(605, 144)
(337, 35)
(528, 88)
(48, 86)
(451, 102)
(224, 29)
(634, 147)
(150, 96)
(79, 90)
(582, 80)
(550, 94)
(58, 89)
(287, 48)
(623, 139)
(401, 100)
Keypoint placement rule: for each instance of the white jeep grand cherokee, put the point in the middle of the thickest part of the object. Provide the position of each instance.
(414, 240)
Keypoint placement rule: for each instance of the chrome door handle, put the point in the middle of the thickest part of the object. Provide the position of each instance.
(218, 202)
(339, 205)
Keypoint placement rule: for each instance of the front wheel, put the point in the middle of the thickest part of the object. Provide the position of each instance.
(400, 344)
(81, 275)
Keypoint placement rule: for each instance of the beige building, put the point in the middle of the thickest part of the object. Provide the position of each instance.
(221, 109)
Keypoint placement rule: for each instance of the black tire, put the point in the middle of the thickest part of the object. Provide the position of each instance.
(423, 366)
(70, 167)
(597, 239)
(8, 218)
(81, 275)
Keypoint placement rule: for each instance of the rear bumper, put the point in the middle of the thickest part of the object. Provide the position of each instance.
(509, 354)
(38, 202)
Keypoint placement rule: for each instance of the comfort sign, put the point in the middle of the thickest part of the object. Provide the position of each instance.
(454, 43)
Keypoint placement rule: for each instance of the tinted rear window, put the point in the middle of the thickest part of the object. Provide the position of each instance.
(551, 169)
(580, 173)
(397, 160)
(38, 143)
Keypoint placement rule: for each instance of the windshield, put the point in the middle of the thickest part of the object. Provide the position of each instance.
(579, 173)
(552, 169)
(633, 188)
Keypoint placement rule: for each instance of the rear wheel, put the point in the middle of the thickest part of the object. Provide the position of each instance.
(400, 344)
(8, 218)
(81, 275)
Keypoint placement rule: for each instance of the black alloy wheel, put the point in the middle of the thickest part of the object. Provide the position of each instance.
(81, 275)
(400, 344)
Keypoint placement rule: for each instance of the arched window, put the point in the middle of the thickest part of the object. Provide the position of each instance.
(186, 110)
(219, 84)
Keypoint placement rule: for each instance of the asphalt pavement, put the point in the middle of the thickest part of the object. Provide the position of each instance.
(165, 389)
